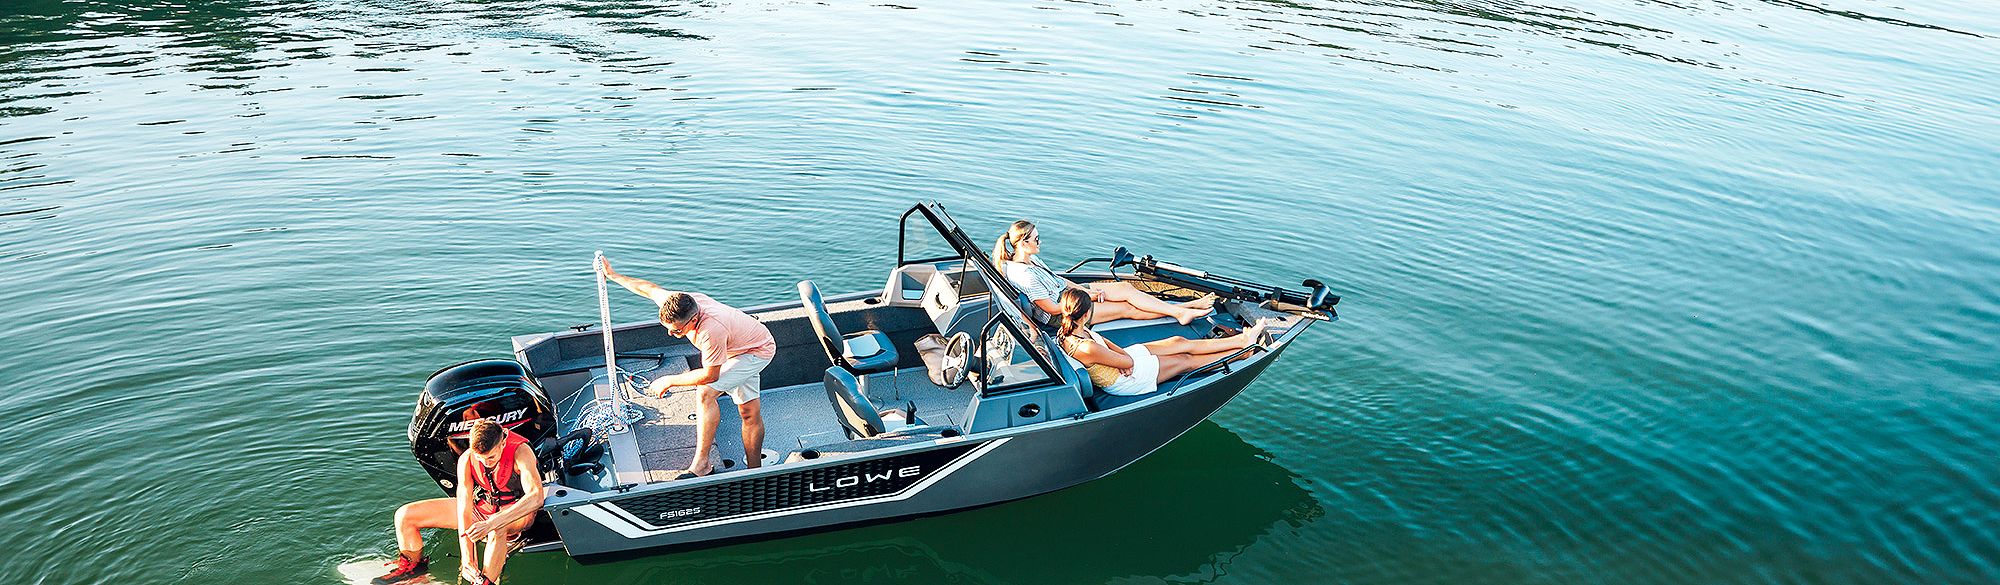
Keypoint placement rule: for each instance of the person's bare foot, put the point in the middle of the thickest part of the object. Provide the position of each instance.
(1261, 330)
(1254, 331)
(1258, 333)
(1206, 301)
(1187, 316)
(701, 468)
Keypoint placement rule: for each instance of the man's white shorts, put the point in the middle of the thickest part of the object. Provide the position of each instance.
(742, 378)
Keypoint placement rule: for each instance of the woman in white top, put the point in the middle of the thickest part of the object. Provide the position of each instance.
(1139, 369)
(1015, 254)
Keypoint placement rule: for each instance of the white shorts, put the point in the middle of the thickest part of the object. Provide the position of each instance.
(741, 377)
(1145, 376)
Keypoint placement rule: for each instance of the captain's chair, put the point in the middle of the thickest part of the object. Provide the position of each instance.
(854, 357)
(860, 420)
(863, 353)
(857, 414)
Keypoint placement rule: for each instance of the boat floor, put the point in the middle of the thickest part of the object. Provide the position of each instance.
(795, 417)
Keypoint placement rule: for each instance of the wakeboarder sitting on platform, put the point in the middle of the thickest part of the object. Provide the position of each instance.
(735, 348)
(498, 494)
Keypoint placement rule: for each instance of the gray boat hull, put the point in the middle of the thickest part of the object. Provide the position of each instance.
(890, 484)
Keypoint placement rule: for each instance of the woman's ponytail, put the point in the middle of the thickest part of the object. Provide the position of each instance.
(1010, 240)
(1000, 253)
(1075, 304)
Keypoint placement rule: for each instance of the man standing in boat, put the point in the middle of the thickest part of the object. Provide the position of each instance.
(735, 348)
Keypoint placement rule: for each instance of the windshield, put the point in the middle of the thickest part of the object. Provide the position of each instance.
(1005, 297)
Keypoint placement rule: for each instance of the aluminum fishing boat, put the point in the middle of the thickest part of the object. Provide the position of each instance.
(859, 426)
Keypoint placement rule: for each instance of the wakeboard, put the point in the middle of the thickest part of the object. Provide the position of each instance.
(364, 572)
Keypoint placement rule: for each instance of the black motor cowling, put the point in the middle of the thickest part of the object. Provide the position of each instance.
(496, 389)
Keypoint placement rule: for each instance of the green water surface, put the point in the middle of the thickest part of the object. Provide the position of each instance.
(1637, 291)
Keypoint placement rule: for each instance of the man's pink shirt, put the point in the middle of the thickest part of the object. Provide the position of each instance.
(725, 332)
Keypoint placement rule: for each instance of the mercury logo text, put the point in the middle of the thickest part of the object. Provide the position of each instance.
(502, 418)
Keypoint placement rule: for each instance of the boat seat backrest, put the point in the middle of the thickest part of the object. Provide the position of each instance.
(821, 320)
(857, 415)
(865, 352)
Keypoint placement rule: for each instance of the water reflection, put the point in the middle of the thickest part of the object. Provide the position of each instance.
(1859, 15)
(1184, 512)
(1465, 28)
(1345, 29)
(48, 40)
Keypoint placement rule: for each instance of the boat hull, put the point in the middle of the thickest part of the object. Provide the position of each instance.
(897, 483)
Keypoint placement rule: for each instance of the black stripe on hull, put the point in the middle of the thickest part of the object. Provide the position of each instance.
(849, 482)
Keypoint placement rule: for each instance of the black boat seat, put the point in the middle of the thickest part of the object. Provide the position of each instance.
(862, 353)
(1035, 313)
(868, 352)
(857, 414)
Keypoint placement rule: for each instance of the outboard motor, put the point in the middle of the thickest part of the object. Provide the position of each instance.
(495, 389)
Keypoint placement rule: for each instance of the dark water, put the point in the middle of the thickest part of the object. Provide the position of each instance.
(1638, 291)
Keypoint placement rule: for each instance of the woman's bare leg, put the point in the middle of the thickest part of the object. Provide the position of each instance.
(414, 517)
(1123, 292)
(1112, 311)
(1182, 345)
(1175, 365)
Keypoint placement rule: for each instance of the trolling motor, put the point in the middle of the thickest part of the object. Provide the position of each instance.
(1120, 257)
(1315, 303)
(1319, 298)
(499, 390)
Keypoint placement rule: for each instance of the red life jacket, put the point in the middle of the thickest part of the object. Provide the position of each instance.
(486, 497)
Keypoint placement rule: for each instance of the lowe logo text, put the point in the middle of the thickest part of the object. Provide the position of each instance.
(854, 480)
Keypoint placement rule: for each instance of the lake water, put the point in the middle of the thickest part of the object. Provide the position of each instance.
(1637, 291)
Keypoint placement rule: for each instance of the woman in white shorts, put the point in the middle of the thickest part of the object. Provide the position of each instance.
(1139, 369)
